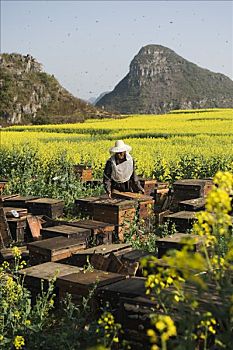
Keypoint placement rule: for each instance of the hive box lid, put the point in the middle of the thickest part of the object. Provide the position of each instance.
(182, 215)
(56, 243)
(45, 201)
(181, 238)
(89, 278)
(48, 270)
(114, 202)
(65, 230)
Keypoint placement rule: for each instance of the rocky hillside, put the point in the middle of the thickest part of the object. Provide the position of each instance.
(29, 95)
(159, 80)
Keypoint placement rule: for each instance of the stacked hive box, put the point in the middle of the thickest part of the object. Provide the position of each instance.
(84, 172)
(145, 204)
(189, 189)
(119, 212)
(46, 206)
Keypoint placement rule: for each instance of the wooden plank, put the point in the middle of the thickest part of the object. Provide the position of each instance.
(35, 227)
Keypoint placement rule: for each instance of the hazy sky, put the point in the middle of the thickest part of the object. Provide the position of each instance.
(88, 45)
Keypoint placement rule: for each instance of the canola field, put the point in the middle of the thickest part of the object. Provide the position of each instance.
(181, 144)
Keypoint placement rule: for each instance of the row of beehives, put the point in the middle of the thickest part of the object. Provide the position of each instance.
(123, 209)
(114, 265)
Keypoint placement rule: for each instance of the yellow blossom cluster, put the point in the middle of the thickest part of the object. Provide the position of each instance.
(19, 342)
(164, 329)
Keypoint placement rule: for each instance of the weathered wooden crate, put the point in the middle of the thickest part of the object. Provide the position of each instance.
(145, 204)
(68, 232)
(54, 249)
(189, 189)
(102, 232)
(81, 283)
(178, 241)
(183, 220)
(6, 254)
(17, 227)
(46, 206)
(116, 211)
(85, 206)
(129, 287)
(84, 172)
(34, 276)
(18, 201)
(80, 258)
(134, 316)
(196, 204)
(148, 185)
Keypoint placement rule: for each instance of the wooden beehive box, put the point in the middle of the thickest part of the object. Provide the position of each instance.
(178, 241)
(67, 231)
(116, 211)
(6, 254)
(81, 283)
(18, 201)
(102, 232)
(83, 171)
(80, 258)
(46, 206)
(145, 204)
(189, 189)
(135, 317)
(17, 227)
(54, 249)
(196, 204)
(34, 275)
(85, 206)
(129, 287)
(183, 220)
(148, 185)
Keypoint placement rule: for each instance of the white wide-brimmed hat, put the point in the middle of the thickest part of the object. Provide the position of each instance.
(120, 146)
